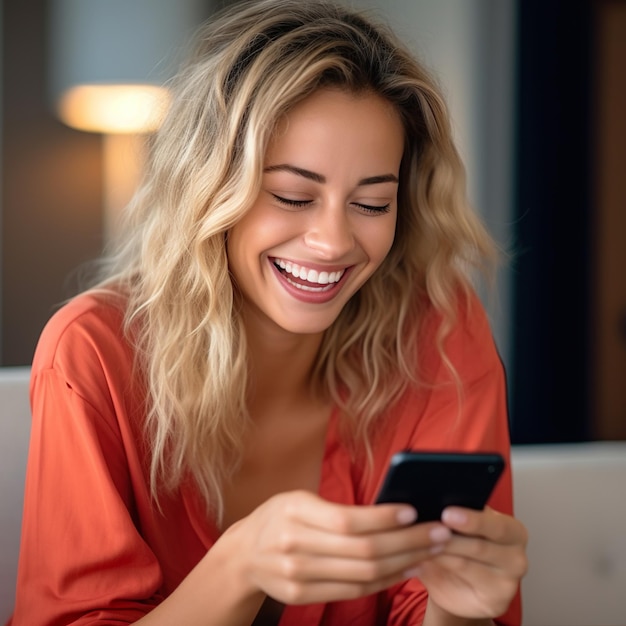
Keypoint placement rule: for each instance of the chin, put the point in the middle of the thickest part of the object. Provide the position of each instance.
(308, 325)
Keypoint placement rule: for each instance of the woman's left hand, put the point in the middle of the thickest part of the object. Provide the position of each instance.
(477, 573)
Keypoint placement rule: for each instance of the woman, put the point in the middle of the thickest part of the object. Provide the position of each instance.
(291, 305)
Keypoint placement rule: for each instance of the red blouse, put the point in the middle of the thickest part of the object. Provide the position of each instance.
(95, 550)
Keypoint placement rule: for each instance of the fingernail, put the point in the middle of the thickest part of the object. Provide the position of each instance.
(407, 515)
(440, 534)
(454, 516)
(437, 548)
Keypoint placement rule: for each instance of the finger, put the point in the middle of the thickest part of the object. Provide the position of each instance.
(296, 539)
(489, 524)
(296, 592)
(469, 571)
(314, 511)
(462, 551)
(307, 568)
(486, 591)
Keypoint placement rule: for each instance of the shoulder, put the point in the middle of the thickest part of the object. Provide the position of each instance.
(465, 341)
(85, 337)
(460, 389)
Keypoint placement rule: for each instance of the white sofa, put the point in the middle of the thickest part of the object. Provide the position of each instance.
(14, 433)
(572, 498)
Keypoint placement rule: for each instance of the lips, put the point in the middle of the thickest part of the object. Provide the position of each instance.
(306, 278)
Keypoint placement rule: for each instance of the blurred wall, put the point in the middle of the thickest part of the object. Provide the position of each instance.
(608, 274)
(52, 196)
(51, 188)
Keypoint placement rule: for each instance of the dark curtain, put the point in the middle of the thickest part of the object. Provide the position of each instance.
(554, 86)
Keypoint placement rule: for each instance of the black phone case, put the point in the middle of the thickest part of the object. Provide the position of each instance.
(431, 481)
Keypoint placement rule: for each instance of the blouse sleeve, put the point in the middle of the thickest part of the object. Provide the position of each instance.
(82, 558)
(472, 417)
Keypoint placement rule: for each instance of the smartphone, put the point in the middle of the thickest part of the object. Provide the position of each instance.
(431, 481)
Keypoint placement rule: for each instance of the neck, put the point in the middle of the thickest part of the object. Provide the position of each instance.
(280, 366)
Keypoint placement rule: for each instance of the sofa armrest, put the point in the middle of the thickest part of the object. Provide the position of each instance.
(14, 435)
(572, 498)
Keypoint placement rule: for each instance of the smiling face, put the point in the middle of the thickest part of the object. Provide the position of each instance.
(325, 216)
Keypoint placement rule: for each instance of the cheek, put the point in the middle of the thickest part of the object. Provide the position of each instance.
(238, 249)
(380, 237)
(246, 236)
(265, 226)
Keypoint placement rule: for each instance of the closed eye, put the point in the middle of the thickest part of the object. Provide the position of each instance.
(290, 202)
(369, 208)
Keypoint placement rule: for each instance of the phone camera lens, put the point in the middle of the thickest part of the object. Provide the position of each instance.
(491, 469)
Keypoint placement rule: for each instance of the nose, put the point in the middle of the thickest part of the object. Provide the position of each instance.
(330, 232)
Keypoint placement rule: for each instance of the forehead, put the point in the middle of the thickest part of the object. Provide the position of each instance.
(332, 123)
(328, 101)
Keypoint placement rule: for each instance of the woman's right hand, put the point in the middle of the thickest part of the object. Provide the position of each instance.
(301, 549)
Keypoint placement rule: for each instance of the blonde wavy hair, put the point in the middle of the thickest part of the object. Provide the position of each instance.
(251, 64)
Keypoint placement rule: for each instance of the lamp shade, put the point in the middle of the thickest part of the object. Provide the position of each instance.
(109, 59)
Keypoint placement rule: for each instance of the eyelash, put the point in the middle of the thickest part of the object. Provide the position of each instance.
(302, 203)
(293, 203)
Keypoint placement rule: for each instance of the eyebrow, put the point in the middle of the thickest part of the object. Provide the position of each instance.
(318, 178)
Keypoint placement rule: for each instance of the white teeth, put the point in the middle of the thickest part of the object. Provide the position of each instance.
(310, 275)
(307, 288)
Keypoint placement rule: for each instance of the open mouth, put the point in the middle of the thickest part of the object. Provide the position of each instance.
(307, 279)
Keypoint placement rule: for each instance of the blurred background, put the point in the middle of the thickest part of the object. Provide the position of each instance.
(537, 92)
